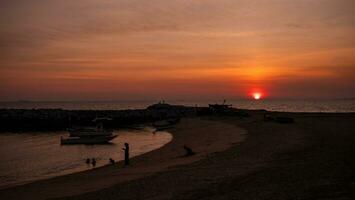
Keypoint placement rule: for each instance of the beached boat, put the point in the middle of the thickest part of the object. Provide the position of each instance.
(165, 124)
(87, 140)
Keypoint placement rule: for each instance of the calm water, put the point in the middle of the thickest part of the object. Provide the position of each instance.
(272, 105)
(32, 156)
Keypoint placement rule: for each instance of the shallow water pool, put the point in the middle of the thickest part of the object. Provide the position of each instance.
(32, 156)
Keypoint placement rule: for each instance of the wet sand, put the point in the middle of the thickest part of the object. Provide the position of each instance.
(313, 158)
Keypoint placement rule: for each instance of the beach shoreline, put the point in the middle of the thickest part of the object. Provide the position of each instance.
(168, 156)
(311, 158)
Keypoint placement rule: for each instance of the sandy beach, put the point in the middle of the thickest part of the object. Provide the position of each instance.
(237, 158)
(203, 136)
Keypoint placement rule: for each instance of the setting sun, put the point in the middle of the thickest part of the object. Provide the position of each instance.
(257, 96)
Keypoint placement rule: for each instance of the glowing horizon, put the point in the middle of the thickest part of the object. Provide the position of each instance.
(112, 50)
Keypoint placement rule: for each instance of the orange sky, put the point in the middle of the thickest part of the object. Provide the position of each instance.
(176, 49)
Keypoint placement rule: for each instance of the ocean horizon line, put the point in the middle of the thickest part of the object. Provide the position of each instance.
(174, 100)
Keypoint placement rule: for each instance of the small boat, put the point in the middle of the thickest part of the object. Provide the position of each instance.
(97, 135)
(87, 140)
(82, 132)
(220, 107)
(167, 122)
(97, 131)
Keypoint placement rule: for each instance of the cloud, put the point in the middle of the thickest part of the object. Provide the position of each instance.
(183, 40)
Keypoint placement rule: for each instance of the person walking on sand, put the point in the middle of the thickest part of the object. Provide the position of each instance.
(126, 154)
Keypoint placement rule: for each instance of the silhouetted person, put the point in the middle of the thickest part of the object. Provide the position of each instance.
(87, 161)
(126, 154)
(93, 162)
(188, 151)
(112, 161)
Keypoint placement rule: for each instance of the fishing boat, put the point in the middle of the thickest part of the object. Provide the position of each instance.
(97, 135)
(82, 132)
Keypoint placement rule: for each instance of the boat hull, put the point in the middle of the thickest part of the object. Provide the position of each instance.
(88, 133)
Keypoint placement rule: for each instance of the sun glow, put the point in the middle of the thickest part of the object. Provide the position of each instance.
(257, 95)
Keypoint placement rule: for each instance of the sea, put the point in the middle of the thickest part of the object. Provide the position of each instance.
(299, 105)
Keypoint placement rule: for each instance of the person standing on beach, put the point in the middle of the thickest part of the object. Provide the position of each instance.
(126, 154)
(93, 162)
(188, 151)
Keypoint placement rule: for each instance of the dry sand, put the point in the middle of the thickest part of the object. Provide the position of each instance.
(313, 158)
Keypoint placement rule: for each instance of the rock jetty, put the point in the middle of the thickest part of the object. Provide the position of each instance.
(59, 119)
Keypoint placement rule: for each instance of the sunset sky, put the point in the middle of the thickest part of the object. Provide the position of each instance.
(176, 49)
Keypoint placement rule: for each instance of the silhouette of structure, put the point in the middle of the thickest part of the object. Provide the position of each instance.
(220, 107)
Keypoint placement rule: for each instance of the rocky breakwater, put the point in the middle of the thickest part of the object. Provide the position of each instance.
(58, 119)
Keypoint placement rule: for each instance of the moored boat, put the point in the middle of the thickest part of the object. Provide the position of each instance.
(82, 132)
(97, 135)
